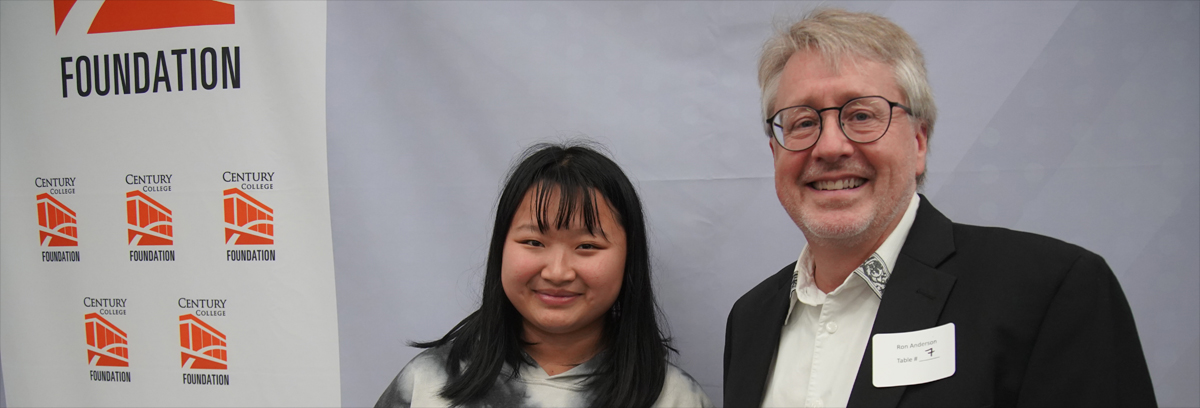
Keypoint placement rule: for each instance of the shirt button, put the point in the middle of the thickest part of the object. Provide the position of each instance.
(831, 327)
(816, 403)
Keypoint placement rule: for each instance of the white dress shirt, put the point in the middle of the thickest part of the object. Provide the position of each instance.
(825, 334)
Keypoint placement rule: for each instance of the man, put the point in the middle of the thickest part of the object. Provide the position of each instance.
(1013, 318)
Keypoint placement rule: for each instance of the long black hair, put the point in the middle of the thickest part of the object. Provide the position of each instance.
(633, 365)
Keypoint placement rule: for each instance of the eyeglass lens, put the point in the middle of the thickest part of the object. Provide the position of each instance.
(863, 120)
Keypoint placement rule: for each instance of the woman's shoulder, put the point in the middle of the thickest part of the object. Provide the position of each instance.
(681, 390)
(425, 372)
(430, 362)
(433, 356)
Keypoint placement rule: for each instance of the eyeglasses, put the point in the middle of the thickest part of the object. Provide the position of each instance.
(863, 120)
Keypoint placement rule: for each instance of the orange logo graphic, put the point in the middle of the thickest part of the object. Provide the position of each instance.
(247, 221)
(56, 223)
(203, 346)
(106, 344)
(149, 221)
(133, 15)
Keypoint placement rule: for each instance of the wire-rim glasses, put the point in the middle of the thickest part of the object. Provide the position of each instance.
(863, 120)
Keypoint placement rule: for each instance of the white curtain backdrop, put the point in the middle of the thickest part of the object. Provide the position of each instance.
(1076, 120)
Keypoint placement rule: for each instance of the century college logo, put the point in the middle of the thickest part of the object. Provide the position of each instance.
(57, 227)
(247, 220)
(202, 345)
(150, 224)
(149, 221)
(56, 223)
(107, 345)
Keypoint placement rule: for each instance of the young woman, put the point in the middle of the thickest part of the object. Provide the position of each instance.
(568, 317)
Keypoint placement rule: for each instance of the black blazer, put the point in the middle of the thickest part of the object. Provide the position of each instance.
(1038, 322)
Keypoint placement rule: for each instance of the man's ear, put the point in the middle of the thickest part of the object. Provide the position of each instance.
(922, 135)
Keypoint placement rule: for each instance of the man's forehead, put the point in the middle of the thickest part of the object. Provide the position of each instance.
(877, 77)
(831, 59)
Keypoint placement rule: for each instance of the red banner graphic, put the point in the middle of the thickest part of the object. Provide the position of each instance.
(133, 15)
(149, 221)
(247, 220)
(56, 223)
(107, 345)
(203, 346)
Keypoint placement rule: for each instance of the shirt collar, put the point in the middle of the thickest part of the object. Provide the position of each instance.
(874, 272)
(531, 371)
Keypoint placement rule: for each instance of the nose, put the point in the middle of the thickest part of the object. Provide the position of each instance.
(833, 143)
(558, 269)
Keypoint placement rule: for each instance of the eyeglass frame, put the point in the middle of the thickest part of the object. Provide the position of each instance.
(841, 125)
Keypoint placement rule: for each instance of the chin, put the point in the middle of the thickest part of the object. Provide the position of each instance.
(833, 224)
(555, 326)
(833, 231)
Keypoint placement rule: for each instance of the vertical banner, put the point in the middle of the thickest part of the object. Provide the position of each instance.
(164, 216)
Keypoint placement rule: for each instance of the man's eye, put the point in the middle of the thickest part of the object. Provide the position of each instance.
(861, 116)
(803, 124)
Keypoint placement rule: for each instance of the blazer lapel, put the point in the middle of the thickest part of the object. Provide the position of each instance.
(913, 298)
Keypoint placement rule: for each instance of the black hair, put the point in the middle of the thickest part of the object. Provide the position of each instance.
(633, 364)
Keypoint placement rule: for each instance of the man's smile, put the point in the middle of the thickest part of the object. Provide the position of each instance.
(839, 184)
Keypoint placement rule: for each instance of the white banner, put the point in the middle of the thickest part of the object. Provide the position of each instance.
(165, 207)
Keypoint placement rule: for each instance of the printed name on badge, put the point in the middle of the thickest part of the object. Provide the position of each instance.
(913, 358)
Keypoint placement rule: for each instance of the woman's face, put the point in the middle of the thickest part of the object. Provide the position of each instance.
(562, 281)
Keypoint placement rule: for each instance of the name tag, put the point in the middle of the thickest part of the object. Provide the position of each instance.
(912, 358)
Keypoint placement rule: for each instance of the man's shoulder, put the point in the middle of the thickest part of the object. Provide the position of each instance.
(1007, 260)
(1000, 241)
(975, 241)
(997, 257)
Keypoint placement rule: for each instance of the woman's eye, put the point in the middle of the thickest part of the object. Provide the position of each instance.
(588, 246)
(532, 242)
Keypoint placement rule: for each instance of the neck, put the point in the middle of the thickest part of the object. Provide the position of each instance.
(559, 352)
(832, 263)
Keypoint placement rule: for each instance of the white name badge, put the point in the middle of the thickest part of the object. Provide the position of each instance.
(912, 358)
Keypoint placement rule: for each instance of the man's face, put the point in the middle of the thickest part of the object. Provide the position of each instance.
(839, 191)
